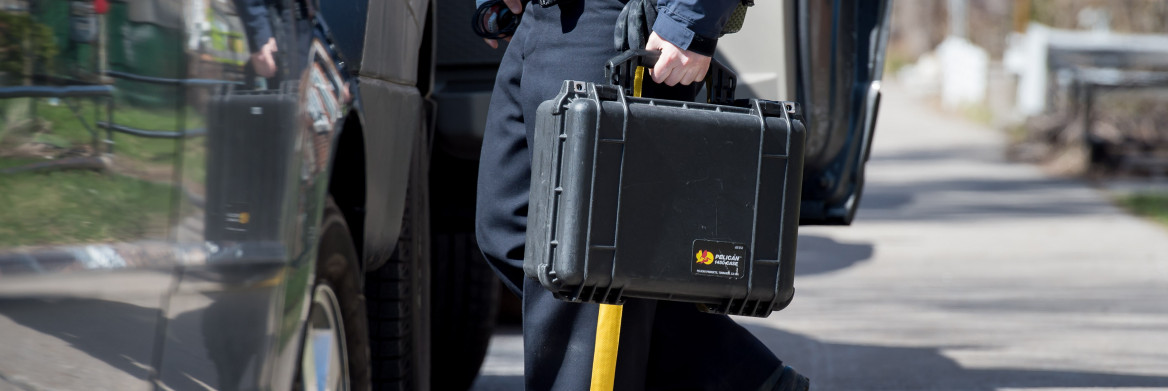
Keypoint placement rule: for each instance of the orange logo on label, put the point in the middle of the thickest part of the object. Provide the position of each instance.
(705, 257)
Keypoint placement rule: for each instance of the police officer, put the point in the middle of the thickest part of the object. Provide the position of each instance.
(664, 345)
(270, 26)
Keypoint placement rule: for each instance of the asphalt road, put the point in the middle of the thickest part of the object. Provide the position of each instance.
(962, 272)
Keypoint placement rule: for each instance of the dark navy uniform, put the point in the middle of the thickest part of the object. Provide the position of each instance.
(663, 345)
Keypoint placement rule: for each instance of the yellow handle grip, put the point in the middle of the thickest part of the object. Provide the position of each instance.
(608, 324)
(638, 81)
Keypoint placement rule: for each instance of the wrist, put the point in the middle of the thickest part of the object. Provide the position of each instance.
(702, 45)
(676, 31)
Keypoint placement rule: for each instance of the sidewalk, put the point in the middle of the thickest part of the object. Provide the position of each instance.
(963, 272)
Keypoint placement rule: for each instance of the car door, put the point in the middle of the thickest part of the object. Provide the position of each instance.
(839, 65)
(829, 57)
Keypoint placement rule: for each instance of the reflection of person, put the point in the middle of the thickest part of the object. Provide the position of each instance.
(664, 345)
(260, 41)
(262, 60)
(264, 30)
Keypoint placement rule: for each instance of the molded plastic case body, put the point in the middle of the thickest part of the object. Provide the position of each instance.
(669, 200)
(250, 140)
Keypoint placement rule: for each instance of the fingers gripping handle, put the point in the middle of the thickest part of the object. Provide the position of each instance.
(622, 71)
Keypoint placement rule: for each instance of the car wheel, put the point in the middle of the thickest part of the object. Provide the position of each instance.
(465, 305)
(334, 354)
(398, 293)
(464, 289)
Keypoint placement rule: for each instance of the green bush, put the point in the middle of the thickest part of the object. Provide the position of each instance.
(21, 36)
(1151, 205)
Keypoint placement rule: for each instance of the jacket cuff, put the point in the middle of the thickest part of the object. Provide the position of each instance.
(674, 29)
(258, 36)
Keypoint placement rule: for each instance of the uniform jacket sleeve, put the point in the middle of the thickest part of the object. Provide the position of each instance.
(254, 15)
(693, 24)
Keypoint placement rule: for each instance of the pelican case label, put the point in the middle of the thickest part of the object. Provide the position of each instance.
(718, 259)
(236, 217)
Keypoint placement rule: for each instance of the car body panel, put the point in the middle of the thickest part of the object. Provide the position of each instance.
(770, 73)
(389, 133)
(346, 22)
(840, 63)
(829, 56)
(393, 35)
(88, 252)
(465, 70)
(128, 259)
(391, 117)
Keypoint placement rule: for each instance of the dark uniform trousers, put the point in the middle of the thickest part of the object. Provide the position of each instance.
(663, 345)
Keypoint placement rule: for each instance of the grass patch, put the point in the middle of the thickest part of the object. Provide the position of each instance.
(67, 126)
(979, 113)
(77, 206)
(1017, 133)
(17, 161)
(69, 129)
(1151, 205)
(64, 207)
(894, 60)
(58, 126)
(194, 169)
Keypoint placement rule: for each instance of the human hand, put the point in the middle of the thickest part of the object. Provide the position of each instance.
(494, 43)
(516, 7)
(675, 64)
(262, 60)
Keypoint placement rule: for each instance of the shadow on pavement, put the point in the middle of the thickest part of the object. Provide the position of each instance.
(962, 197)
(120, 334)
(821, 254)
(205, 346)
(995, 186)
(969, 199)
(933, 154)
(886, 200)
(498, 383)
(837, 366)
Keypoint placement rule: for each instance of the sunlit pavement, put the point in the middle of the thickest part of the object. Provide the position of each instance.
(962, 272)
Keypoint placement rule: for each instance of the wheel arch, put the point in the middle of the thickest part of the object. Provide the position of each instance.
(347, 178)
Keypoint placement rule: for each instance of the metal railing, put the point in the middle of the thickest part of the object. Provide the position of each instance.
(106, 92)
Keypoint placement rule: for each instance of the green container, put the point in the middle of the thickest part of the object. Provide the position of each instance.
(145, 44)
(142, 38)
(73, 57)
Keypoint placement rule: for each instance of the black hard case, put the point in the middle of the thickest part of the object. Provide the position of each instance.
(250, 142)
(626, 192)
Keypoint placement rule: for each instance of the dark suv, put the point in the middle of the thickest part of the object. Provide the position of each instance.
(278, 194)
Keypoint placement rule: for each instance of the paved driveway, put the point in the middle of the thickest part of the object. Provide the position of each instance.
(963, 272)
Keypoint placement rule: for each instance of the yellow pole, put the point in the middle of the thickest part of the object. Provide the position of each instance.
(608, 321)
(608, 324)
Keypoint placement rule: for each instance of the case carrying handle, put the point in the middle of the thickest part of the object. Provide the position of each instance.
(629, 69)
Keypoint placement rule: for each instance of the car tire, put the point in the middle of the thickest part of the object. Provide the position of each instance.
(465, 306)
(464, 289)
(336, 313)
(398, 293)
